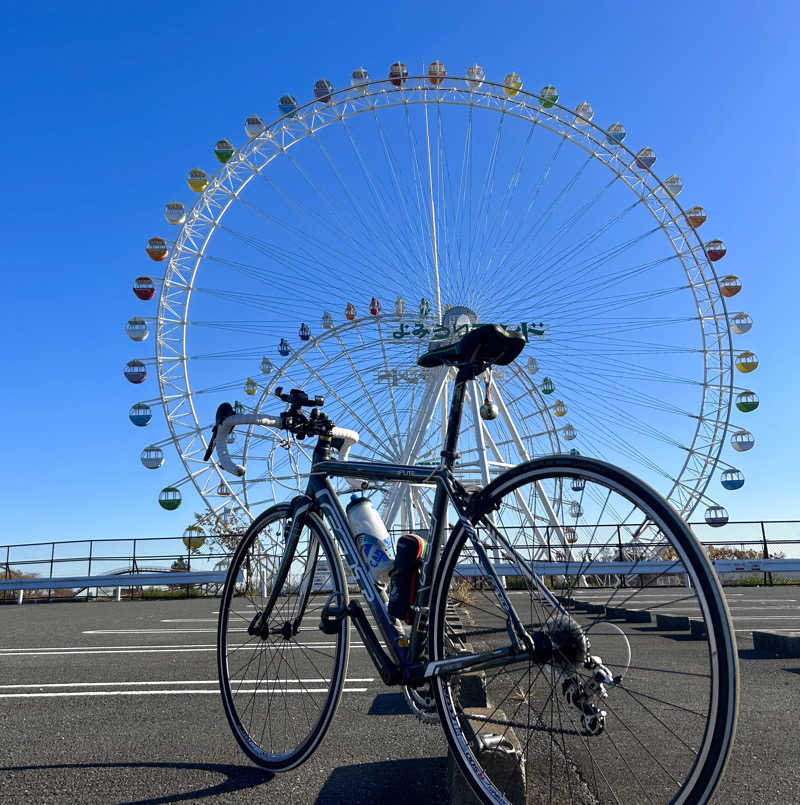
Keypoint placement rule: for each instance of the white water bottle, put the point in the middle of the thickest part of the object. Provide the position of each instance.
(372, 537)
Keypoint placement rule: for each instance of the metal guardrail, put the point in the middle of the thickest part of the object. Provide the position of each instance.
(638, 568)
(170, 578)
(45, 565)
(114, 581)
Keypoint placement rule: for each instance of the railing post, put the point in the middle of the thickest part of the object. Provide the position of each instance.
(766, 554)
(52, 559)
(89, 571)
(134, 566)
(188, 567)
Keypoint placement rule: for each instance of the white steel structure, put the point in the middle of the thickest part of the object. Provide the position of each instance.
(329, 249)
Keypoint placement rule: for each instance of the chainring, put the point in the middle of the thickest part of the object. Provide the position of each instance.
(422, 703)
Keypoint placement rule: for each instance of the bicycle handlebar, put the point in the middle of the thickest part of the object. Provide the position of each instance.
(345, 437)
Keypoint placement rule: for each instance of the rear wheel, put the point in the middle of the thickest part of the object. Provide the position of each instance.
(281, 676)
(623, 711)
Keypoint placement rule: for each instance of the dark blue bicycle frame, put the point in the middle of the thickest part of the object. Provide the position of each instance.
(403, 663)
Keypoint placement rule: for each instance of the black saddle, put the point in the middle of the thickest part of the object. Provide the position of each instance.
(486, 345)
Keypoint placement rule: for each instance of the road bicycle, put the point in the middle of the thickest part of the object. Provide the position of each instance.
(515, 641)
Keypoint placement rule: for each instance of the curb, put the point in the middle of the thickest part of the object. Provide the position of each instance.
(637, 615)
(672, 623)
(782, 644)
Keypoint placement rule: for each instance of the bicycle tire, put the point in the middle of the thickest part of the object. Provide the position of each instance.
(302, 678)
(669, 729)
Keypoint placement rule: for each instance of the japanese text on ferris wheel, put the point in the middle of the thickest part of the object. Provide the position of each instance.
(394, 377)
(440, 332)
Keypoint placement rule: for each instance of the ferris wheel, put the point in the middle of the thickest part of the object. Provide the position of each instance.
(336, 243)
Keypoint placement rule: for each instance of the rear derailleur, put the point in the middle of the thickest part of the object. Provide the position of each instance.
(585, 694)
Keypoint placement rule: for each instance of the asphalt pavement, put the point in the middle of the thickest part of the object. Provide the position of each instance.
(118, 702)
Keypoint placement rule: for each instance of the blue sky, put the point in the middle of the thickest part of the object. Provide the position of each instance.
(105, 111)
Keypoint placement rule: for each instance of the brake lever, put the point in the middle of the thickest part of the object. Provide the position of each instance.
(211, 443)
(223, 412)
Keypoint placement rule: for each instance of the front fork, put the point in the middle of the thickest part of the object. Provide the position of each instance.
(259, 624)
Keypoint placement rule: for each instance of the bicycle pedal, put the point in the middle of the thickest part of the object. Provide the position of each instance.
(331, 619)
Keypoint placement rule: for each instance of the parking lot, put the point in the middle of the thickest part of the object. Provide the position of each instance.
(118, 702)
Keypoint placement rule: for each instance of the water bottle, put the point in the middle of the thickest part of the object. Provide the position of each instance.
(372, 537)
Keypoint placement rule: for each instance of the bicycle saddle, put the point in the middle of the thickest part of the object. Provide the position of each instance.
(487, 344)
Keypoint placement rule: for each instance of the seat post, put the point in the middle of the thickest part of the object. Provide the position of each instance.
(465, 373)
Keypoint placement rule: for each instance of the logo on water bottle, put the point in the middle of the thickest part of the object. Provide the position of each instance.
(376, 554)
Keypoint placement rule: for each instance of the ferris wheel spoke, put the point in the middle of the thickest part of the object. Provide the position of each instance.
(391, 388)
(540, 221)
(361, 217)
(589, 266)
(475, 251)
(558, 237)
(298, 255)
(534, 260)
(443, 204)
(335, 230)
(591, 284)
(406, 244)
(416, 235)
(591, 279)
(600, 308)
(412, 450)
(458, 270)
(310, 251)
(420, 196)
(464, 205)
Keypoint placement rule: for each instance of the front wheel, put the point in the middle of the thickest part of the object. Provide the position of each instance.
(616, 708)
(280, 675)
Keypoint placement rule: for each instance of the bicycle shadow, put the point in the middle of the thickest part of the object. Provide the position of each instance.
(390, 782)
(238, 778)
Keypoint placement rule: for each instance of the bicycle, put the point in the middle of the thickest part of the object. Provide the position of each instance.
(500, 645)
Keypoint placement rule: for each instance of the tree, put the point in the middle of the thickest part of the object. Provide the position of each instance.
(223, 529)
(179, 564)
(8, 572)
(729, 552)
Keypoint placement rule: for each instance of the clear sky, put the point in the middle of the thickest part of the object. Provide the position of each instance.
(105, 109)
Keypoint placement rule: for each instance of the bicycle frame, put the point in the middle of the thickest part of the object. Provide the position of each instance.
(402, 664)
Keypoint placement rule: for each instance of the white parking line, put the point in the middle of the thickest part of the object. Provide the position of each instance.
(174, 682)
(41, 652)
(155, 631)
(697, 609)
(261, 691)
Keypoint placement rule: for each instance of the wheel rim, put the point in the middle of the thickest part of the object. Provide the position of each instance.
(279, 692)
(669, 722)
